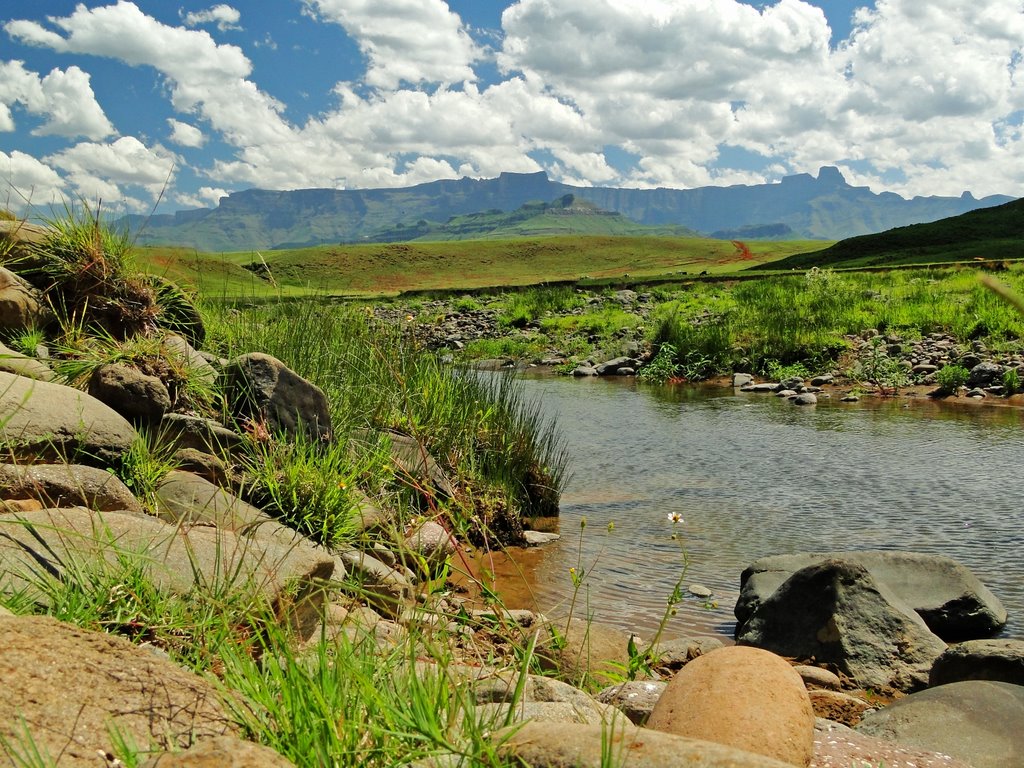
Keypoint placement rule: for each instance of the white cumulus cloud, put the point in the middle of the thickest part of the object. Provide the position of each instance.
(224, 16)
(64, 98)
(26, 183)
(185, 135)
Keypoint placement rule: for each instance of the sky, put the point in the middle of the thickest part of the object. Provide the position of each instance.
(167, 105)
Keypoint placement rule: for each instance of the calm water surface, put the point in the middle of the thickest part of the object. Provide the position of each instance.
(753, 475)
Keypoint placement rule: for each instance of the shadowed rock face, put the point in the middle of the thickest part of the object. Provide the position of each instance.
(835, 612)
(952, 601)
(71, 685)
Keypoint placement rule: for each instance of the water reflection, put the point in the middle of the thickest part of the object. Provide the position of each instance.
(754, 475)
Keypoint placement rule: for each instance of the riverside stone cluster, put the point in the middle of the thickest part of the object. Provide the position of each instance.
(880, 621)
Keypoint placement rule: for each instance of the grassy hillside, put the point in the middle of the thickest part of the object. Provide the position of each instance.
(986, 234)
(369, 269)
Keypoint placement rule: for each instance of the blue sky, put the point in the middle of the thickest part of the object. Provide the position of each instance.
(181, 103)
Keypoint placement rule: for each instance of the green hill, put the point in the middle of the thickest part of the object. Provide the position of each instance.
(986, 234)
(568, 215)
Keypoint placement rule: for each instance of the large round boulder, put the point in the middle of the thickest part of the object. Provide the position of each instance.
(744, 698)
(836, 613)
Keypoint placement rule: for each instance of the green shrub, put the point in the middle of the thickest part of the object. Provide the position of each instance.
(1011, 381)
(950, 378)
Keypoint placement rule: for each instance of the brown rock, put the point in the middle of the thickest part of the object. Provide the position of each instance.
(130, 392)
(183, 497)
(839, 707)
(221, 752)
(21, 306)
(72, 686)
(22, 365)
(816, 677)
(67, 485)
(745, 698)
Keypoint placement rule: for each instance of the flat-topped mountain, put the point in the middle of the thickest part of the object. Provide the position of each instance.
(825, 207)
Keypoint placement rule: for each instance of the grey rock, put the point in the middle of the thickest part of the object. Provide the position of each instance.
(805, 398)
(1001, 660)
(583, 371)
(43, 420)
(985, 375)
(431, 541)
(589, 652)
(260, 387)
(186, 498)
(822, 380)
(980, 722)
(67, 485)
(174, 346)
(763, 387)
(22, 365)
(540, 538)
(547, 712)
(836, 744)
(837, 614)
(71, 688)
(634, 698)
(741, 380)
(953, 602)
(183, 431)
(387, 589)
(699, 590)
(413, 460)
(674, 654)
(612, 367)
(132, 393)
(785, 393)
(792, 382)
(565, 745)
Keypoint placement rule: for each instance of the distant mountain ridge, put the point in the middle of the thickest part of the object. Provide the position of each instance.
(825, 207)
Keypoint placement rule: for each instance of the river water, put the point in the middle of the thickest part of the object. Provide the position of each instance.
(753, 475)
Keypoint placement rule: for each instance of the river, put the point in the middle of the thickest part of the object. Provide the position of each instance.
(753, 475)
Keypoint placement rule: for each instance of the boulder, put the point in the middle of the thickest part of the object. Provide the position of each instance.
(673, 654)
(384, 587)
(837, 614)
(816, 677)
(262, 388)
(432, 542)
(287, 576)
(952, 601)
(220, 752)
(183, 497)
(43, 420)
(21, 306)
(742, 380)
(412, 459)
(744, 698)
(612, 367)
(547, 712)
(137, 396)
(183, 431)
(838, 746)
(72, 687)
(980, 722)
(634, 698)
(804, 398)
(985, 374)
(18, 241)
(569, 745)
(23, 365)
(1000, 660)
(175, 347)
(67, 485)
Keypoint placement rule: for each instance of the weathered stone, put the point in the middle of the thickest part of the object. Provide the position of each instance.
(220, 752)
(952, 601)
(822, 380)
(287, 575)
(67, 485)
(817, 677)
(183, 497)
(634, 698)
(412, 459)
(837, 614)
(21, 306)
(547, 712)
(132, 393)
(205, 465)
(985, 375)
(568, 745)
(741, 380)
(386, 588)
(673, 654)
(432, 542)
(539, 538)
(23, 365)
(72, 687)
(1000, 660)
(744, 698)
(612, 367)
(583, 371)
(40, 419)
(839, 746)
(979, 721)
(182, 431)
(804, 398)
(174, 346)
(583, 651)
(262, 388)
(18, 241)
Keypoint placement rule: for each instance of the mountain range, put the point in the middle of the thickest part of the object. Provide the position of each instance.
(825, 207)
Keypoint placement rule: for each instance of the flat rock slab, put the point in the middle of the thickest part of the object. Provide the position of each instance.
(40, 419)
(947, 595)
(979, 721)
(46, 543)
(183, 497)
(838, 746)
(66, 485)
(70, 686)
(568, 745)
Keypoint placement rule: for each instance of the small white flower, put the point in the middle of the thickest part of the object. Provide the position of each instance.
(675, 517)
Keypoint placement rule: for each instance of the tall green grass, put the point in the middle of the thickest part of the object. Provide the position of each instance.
(805, 318)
